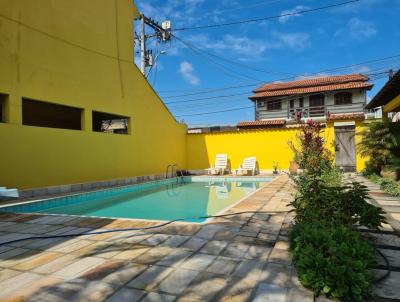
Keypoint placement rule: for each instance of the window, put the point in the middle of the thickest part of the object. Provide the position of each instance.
(301, 102)
(291, 104)
(343, 98)
(43, 114)
(317, 105)
(274, 105)
(3, 99)
(109, 123)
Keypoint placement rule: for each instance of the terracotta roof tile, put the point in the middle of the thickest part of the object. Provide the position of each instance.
(314, 82)
(261, 124)
(294, 91)
(346, 116)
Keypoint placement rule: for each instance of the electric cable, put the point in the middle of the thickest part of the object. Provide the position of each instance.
(299, 12)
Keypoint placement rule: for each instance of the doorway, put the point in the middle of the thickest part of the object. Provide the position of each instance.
(345, 148)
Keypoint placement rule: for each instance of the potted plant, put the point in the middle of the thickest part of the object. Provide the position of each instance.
(275, 165)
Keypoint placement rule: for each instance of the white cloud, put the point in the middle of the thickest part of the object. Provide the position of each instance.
(292, 13)
(294, 41)
(187, 71)
(307, 76)
(357, 29)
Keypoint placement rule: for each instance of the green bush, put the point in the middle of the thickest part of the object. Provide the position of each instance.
(388, 185)
(333, 260)
(340, 204)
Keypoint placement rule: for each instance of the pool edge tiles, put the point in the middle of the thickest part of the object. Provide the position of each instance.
(40, 206)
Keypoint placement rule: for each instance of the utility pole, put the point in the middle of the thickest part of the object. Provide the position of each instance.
(161, 32)
(391, 74)
(142, 45)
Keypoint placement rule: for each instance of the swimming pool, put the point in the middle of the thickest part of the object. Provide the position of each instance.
(159, 200)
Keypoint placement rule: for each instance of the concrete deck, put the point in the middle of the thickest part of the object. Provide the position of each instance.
(238, 258)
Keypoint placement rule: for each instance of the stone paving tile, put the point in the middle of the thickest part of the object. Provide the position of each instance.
(103, 270)
(155, 239)
(209, 231)
(35, 287)
(249, 269)
(150, 278)
(275, 273)
(13, 284)
(296, 294)
(194, 243)
(124, 274)
(95, 291)
(258, 252)
(175, 241)
(388, 288)
(126, 294)
(177, 281)
(13, 236)
(7, 274)
(157, 297)
(236, 250)
(204, 287)
(15, 256)
(280, 256)
(37, 260)
(198, 262)
(237, 290)
(270, 293)
(175, 258)
(213, 247)
(55, 265)
(71, 247)
(153, 255)
(132, 253)
(222, 265)
(78, 267)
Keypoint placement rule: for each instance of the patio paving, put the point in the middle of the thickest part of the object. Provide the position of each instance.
(237, 258)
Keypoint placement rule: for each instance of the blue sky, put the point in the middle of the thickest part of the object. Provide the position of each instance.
(296, 46)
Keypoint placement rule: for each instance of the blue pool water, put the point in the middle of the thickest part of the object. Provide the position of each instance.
(161, 200)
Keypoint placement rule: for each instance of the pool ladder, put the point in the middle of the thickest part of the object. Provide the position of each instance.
(174, 172)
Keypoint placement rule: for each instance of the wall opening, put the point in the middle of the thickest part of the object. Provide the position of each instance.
(3, 101)
(110, 123)
(43, 114)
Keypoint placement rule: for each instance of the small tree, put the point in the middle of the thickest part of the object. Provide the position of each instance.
(380, 142)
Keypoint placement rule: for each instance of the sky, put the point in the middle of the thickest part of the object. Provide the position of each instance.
(203, 71)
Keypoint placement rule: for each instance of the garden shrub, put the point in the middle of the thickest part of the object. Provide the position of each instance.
(332, 259)
(388, 185)
(340, 204)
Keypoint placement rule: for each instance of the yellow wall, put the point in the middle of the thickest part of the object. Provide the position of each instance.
(79, 53)
(393, 105)
(269, 145)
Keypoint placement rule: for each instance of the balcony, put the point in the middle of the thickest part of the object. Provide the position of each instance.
(310, 111)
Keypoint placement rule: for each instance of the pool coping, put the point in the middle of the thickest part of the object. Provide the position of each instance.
(207, 220)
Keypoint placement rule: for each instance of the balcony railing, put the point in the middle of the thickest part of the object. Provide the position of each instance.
(310, 111)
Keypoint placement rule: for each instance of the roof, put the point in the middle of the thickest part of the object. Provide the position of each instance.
(261, 124)
(320, 84)
(346, 116)
(387, 93)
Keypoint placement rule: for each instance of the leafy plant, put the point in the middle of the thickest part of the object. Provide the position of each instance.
(380, 142)
(345, 204)
(312, 156)
(332, 259)
(388, 185)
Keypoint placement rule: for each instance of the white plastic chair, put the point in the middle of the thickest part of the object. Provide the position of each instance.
(220, 165)
(248, 165)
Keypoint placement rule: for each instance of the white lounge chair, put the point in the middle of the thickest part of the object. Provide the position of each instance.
(220, 166)
(248, 165)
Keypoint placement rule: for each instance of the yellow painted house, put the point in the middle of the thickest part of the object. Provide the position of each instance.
(66, 70)
(75, 109)
(388, 98)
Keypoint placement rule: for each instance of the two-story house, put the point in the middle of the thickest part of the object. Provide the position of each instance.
(316, 98)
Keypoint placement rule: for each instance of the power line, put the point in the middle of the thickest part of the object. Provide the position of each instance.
(212, 112)
(188, 44)
(238, 94)
(299, 12)
(216, 89)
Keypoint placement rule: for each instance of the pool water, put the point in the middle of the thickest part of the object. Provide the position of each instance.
(160, 202)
